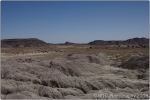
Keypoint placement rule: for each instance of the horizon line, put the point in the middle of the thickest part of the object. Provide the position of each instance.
(75, 42)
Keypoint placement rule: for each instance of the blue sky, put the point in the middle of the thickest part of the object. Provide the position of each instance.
(78, 21)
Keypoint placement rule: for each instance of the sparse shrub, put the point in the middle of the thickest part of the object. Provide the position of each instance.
(5, 71)
(28, 60)
(70, 91)
(5, 90)
(8, 87)
(22, 95)
(93, 59)
(68, 82)
(49, 92)
(136, 63)
(65, 67)
(16, 96)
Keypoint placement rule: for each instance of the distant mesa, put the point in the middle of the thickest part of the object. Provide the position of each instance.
(34, 42)
(134, 42)
(29, 42)
(69, 43)
(138, 41)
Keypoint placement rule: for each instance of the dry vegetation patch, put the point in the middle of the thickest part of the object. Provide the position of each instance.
(74, 72)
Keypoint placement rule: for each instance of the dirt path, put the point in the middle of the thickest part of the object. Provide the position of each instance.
(26, 54)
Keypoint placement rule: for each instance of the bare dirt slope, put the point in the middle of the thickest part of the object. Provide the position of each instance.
(74, 72)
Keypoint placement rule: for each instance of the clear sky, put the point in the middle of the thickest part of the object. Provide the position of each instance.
(78, 21)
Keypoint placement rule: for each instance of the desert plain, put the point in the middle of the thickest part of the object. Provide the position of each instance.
(71, 71)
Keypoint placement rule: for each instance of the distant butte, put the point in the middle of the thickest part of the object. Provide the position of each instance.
(34, 42)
